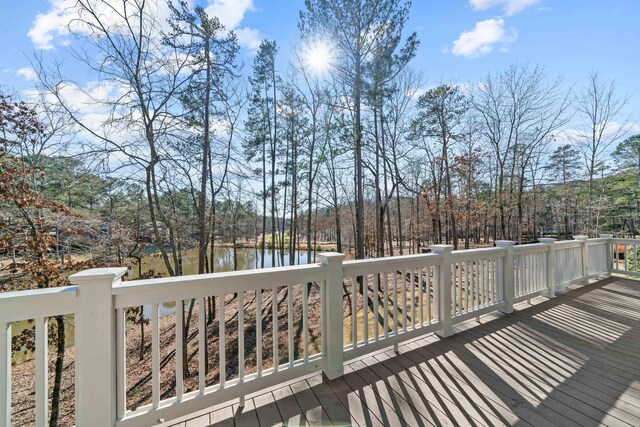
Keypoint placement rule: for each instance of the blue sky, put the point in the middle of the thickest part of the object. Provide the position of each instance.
(461, 40)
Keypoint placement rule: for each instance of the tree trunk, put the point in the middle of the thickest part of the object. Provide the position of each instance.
(359, 172)
(141, 348)
(202, 197)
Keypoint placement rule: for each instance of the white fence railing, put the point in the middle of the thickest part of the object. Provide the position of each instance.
(277, 324)
(530, 270)
(625, 256)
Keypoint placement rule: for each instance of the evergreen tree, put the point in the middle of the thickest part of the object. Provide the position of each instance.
(565, 163)
(262, 128)
(359, 29)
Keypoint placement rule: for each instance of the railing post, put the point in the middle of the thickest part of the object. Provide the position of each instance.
(444, 289)
(332, 315)
(508, 286)
(609, 253)
(95, 345)
(551, 266)
(583, 247)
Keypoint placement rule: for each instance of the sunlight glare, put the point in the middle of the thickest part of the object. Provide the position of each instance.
(318, 57)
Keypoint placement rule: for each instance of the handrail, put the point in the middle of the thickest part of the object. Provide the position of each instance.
(625, 240)
(164, 289)
(361, 306)
(530, 248)
(565, 244)
(377, 265)
(476, 254)
(46, 302)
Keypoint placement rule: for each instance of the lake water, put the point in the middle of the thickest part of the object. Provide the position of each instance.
(248, 259)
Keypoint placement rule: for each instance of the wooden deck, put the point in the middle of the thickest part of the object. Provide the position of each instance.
(570, 361)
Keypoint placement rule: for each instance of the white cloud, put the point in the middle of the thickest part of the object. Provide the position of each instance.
(612, 132)
(249, 38)
(418, 92)
(86, 98)
(483, 38)
(52, 26)
(229, 12)
(510, 7)
(28, 73)
(65, 16)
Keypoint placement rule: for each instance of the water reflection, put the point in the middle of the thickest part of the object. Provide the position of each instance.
(247, 259)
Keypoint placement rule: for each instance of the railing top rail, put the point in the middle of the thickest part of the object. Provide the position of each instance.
(390, 259)
(202, 285)
(19, 296)
(22, 305)
(598, 241)
(222, 275)
(568, 243)
(473, 254)
(530, 248)
(376, 265)
(477, 250)
(625, 240)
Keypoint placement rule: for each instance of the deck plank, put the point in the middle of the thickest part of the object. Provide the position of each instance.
(570, 361)
(290, 411)
(267, 410)
(313, 411)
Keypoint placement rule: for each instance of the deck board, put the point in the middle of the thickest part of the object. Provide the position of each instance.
(570, 361)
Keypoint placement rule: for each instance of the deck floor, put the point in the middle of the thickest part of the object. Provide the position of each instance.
(570, 361)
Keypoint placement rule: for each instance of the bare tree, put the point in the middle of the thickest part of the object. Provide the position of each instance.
(601, 123)
(121, 42)
(358, 29)
(518, 110)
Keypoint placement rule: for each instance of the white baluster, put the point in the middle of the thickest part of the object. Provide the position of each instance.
(179, 344)
(42, 372)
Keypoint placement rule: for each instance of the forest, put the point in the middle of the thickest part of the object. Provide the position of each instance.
(178, 149)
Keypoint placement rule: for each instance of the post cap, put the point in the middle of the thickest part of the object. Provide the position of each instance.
(326, 257)
(606, 236)
(581, 238)
(441, 248)
(94, 275)
(504, 243)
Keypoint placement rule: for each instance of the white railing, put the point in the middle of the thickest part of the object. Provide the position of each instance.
(476, 285)
(241, 295)
(389, 300)
(277, 324)
(598, 260)
(625, 256)
(569, 263)
(530, 270)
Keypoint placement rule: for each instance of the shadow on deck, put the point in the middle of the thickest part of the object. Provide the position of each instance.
(570, 361)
